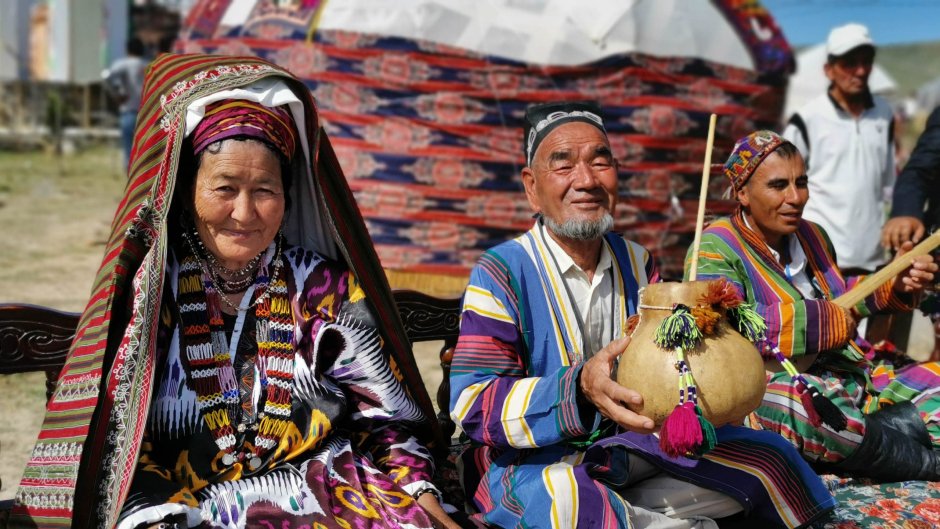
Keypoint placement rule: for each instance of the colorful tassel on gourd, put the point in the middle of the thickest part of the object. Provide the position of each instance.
(678, 330)
(721, 293)
(681, 433)
(706, 319)
(749, 323)
(631, 324)
(709, 437)
(686, 431)
(819, 409)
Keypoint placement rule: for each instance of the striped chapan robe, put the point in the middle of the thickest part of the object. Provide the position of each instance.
(848, 370)
(537, 458)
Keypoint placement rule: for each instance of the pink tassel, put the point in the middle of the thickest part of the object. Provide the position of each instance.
(807, 400)
(681, 433)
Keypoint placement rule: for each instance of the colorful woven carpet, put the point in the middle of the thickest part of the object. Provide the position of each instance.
(430, 136)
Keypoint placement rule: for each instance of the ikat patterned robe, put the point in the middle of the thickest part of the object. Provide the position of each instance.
(348, 458)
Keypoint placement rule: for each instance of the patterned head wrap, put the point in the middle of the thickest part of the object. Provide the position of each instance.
(238, 117)
(748, 154)
(541, 119)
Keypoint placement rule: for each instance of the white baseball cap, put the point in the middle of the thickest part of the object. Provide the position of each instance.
(844, 39)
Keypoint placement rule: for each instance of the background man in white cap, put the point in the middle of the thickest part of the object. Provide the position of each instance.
(846, 137)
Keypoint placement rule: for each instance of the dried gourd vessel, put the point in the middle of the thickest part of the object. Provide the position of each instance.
(692, 359)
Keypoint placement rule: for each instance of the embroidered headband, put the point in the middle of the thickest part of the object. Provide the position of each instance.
(238, 117)
(541, 119)
(748, 154)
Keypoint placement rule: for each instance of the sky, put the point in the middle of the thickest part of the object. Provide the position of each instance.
(806, 22)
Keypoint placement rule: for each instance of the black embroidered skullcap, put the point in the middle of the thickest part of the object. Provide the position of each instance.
(543, 118)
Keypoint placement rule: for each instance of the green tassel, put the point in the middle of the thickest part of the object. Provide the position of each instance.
(749, 322)
(678, 330)
(709, 438)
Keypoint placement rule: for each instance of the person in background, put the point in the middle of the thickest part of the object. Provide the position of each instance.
(915, 207)
(124, 81)
(915, 210)
(846, 138)
(544, 316)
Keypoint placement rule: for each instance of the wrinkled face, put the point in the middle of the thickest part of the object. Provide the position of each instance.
(573, 177)
(849, 73)
(774, 197)
(238, 201)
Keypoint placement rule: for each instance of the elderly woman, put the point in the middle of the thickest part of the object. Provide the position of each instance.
(245, 380)
(848, 407)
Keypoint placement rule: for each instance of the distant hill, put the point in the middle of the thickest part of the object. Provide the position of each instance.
(911, 65)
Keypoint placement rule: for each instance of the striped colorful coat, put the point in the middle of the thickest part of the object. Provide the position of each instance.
(796, 325)
(848, 370)
(513, 393)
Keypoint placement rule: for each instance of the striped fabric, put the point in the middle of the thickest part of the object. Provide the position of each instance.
(797, 326)
(848, 370)
(534, 456)
(116, 334)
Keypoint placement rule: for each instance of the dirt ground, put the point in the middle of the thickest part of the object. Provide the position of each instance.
(55, 217)
(55, 214)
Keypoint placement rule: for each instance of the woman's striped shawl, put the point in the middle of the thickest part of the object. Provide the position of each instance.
(798, 326)
(84, 460)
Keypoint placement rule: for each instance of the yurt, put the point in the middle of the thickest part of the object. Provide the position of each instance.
(423, 101)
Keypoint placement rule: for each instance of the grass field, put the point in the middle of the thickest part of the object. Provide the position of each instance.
(911, 65)
(55, 214)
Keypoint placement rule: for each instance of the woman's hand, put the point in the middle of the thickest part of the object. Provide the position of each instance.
(439, 518)
(916, 277)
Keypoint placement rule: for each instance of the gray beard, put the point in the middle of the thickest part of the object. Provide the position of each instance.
(581, 230)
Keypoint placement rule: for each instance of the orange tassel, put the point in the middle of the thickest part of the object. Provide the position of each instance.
(706, 319)
(632, 322)
(722, 293)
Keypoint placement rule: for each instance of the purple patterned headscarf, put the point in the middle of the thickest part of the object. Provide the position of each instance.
(237, 117)
(748, 154)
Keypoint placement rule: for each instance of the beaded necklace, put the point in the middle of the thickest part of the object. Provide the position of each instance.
(209, 363)
(205, 257)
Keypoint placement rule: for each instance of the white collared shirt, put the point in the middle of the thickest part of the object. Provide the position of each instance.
(796, 271)
(593, 298)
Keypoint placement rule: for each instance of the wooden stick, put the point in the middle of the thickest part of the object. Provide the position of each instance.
(702, 197)
(874, 281)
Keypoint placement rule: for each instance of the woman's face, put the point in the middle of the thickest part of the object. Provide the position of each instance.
(238, 199)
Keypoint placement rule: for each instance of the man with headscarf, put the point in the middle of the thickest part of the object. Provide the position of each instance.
(829, 393)
(544, 317)
(846, 137)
